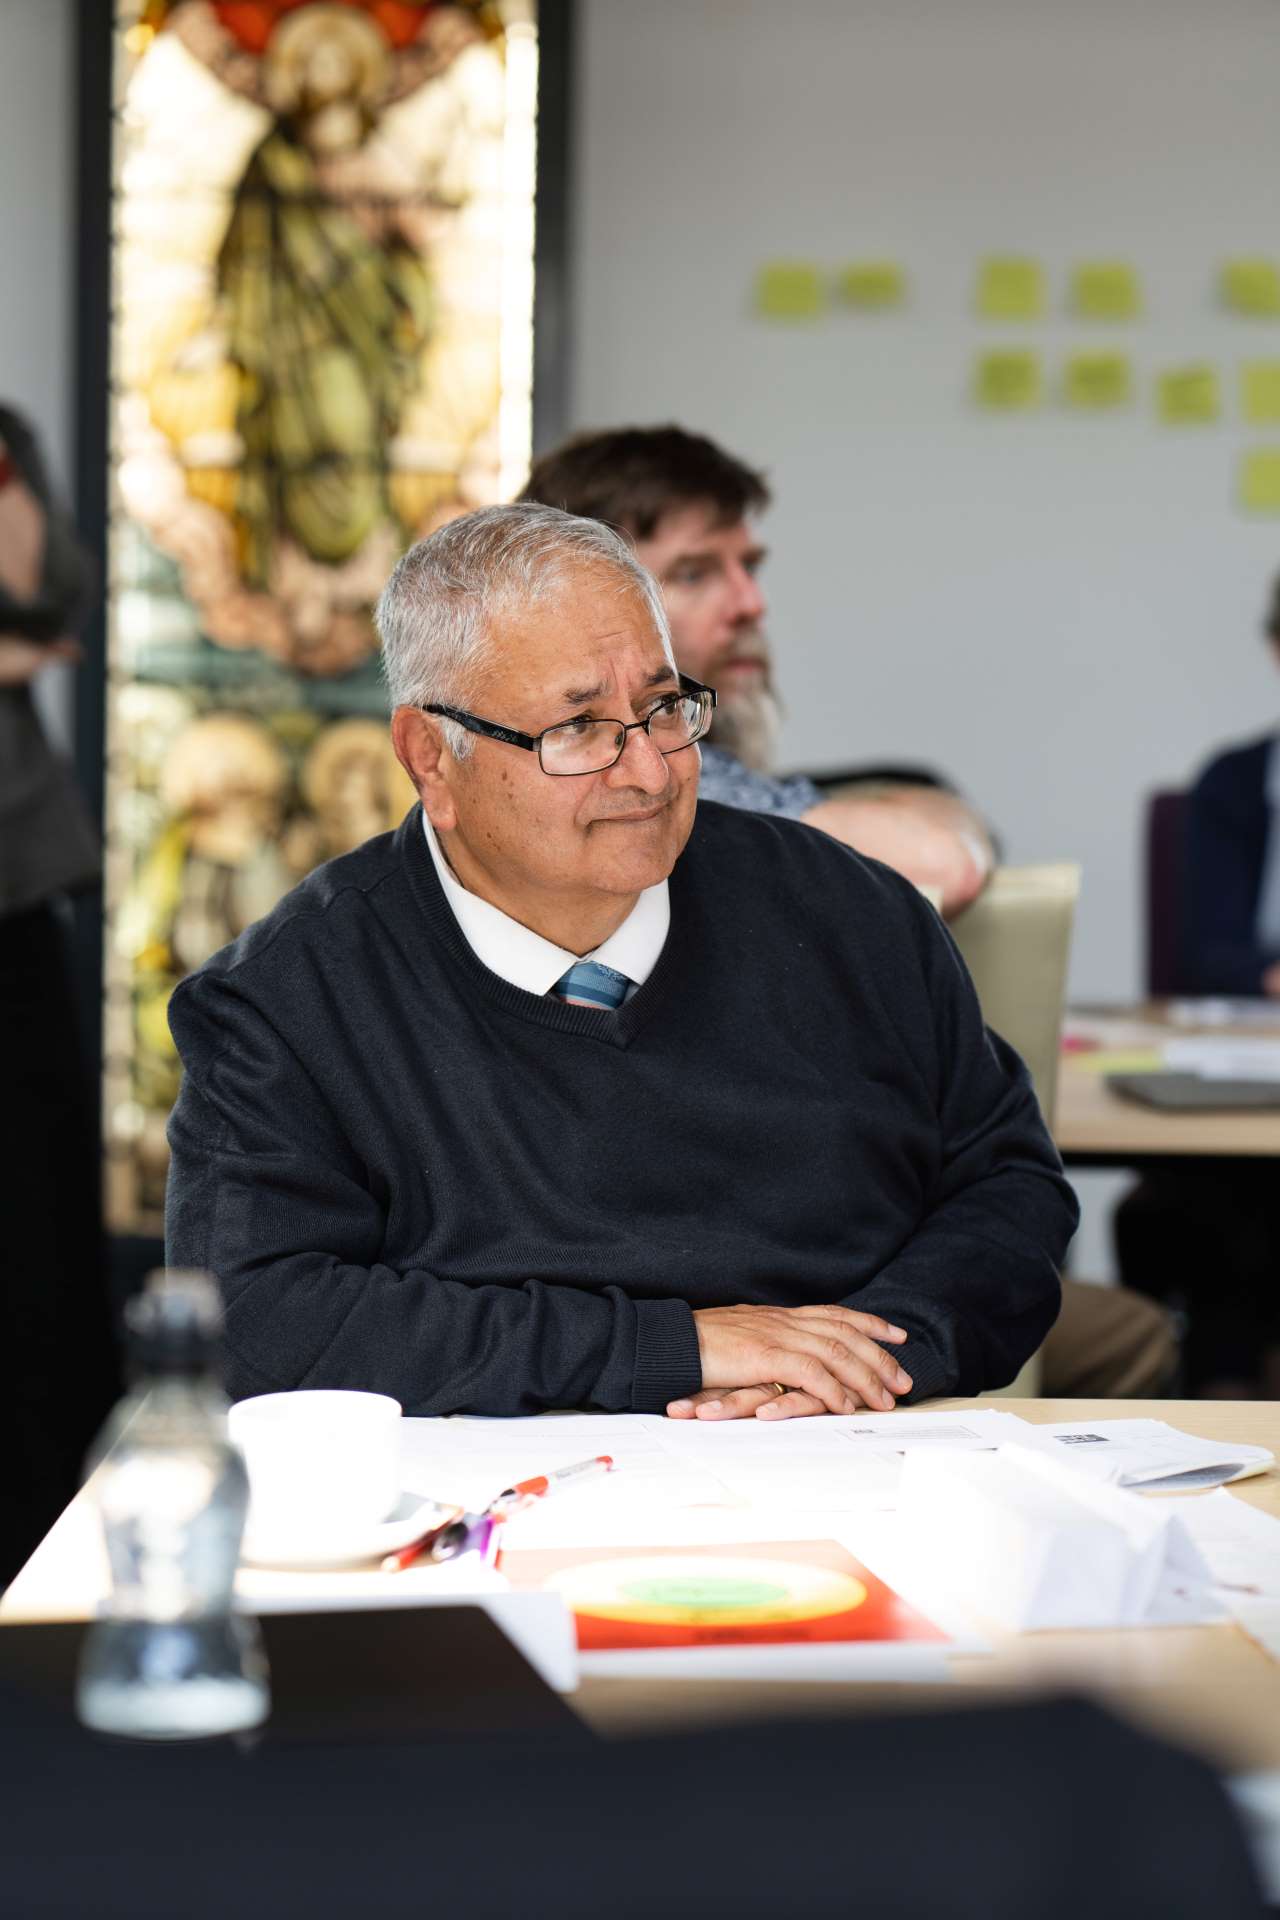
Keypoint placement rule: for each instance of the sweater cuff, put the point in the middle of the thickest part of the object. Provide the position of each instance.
(928, 1372)
(668, 1362)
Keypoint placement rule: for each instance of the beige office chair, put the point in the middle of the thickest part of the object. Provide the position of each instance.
(1016, 940)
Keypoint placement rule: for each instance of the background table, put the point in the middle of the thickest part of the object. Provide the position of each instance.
(1095, 1127)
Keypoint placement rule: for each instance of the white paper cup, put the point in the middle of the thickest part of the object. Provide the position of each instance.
(318, 1461)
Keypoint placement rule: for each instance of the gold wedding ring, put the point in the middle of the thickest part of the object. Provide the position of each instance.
(778, 1386)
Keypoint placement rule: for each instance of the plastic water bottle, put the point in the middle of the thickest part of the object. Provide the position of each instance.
(170, 1659)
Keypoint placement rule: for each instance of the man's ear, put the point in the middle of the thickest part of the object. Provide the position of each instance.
(421, 751)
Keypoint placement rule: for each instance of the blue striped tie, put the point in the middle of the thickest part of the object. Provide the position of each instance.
(588, 984)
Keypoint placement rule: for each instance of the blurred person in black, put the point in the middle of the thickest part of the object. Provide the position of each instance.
(1230, 892)
(53, 1337)
(1210, 1237)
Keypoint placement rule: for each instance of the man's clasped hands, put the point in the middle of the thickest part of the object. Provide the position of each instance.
(809, 1359)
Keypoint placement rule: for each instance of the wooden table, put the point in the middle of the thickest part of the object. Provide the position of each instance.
(1212, 1685)
(1095, 1127)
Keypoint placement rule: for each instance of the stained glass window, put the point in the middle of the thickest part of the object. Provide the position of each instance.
(321, 349)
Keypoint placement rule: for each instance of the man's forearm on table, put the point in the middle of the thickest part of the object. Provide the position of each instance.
(974, 1311)
(441, 1346)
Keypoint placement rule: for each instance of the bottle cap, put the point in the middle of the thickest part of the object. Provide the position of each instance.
(174, 1324)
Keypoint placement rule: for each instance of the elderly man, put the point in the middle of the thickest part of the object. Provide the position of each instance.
(562, 1096)
(691, 509)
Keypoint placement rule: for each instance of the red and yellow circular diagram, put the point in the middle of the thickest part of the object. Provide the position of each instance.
(723, 1595)
(670, 1600)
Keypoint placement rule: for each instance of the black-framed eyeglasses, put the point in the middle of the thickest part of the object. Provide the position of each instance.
(587, 745)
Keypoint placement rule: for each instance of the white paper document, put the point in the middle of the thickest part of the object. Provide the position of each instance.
(1247, 1057)
(1240, 1546)
(472, 1460)
(837, 1464)
(842, 1464)
(874, 1662)
(1147, 1454)
(1260, 1619)
(1214, 1012)
(1029, 1544)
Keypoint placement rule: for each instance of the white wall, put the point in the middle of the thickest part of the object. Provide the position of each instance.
(1061, 612)
(37, 243)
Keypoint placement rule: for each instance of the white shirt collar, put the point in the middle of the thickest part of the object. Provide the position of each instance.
(525, 959)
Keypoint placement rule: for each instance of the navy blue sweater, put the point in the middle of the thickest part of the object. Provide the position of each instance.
(413, 1177)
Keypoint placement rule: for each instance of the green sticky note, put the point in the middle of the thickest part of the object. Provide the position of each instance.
(1122, 1060)
(1096, 382)
(1251, 286)
(872, 283)
(789, 290)
(1105, 290)
(1010, 288)
(1260, 390)
(1007, 380)
(1260, 480)
(1188, 396)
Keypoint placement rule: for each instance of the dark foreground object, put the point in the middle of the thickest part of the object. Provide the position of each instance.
(384, 1673)
(57, 1358)
(1040, 1812)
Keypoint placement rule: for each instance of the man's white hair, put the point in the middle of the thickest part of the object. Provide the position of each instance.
(441, 608)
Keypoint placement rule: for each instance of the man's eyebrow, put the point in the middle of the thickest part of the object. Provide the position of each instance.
(697, 555)
(583, 696)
